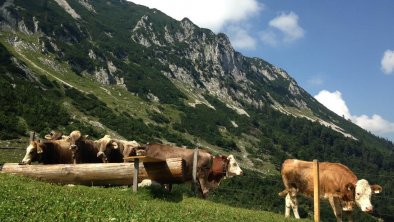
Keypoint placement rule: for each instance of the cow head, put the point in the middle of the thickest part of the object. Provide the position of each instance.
(233, 168)
(363, 192)
(106, 144)
(32, 152)
(74, 137)
(54, 135)
(125, 148)
(140, 150)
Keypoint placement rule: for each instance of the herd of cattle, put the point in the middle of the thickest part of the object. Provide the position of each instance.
(338, 183)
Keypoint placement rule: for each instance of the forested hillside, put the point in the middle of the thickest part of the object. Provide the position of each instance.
(134, 73)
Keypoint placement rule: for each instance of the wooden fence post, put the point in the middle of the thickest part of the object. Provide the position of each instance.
(136, 172)
(194, 172)
(316, 188)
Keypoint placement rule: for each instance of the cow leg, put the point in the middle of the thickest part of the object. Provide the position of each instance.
(287, 205)
(203, 187)
(167, 186)
(349, 215)
(291, 202)
(336, 207)
(73, 154)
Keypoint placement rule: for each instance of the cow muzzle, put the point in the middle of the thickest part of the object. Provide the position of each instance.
(24, 162)
(368, 209)
(100, 154)
(73, 147)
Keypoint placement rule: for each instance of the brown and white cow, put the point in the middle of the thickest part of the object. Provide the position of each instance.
(48, 152)
(85, 150)
(114, 150)
(207, 179)
(338, 184)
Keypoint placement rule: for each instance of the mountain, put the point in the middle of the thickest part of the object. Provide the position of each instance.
(114, 67)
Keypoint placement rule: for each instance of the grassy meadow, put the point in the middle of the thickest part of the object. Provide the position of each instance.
(24, 199)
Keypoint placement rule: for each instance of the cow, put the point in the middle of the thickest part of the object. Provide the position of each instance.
(114, 150)
(48, 152)
(85, 150)
(206, 178)
(55, 135)
(338, 184)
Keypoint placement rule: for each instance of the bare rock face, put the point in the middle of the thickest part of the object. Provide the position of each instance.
(64, 4)
(6, 19)
(102, 76)
(87, 5)
(216, 68)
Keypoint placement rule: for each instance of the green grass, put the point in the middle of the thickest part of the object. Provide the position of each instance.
(12, 151)
(12, 155)
(24, 199)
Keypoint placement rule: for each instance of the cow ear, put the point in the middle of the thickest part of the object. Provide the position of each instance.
(350, 187)
(376, 188)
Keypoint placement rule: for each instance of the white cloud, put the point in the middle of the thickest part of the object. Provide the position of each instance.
(374, 124)
(283, 28)
(387, 63)
(288, 24)
(240, 38)
(269, 37)
(206, 13)
(334, 101)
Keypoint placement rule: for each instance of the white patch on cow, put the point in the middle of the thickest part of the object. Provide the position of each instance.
(233, 168)
(149, 183)
(363, 195)
(28, 156)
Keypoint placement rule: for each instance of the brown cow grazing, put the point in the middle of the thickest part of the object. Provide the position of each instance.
(48, 152)
(84, 150)
(114, 151)
(207, 179)
(338, 184)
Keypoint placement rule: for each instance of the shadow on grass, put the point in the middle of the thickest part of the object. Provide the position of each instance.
(162, 194)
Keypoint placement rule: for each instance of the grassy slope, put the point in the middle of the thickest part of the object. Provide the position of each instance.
(25, 199)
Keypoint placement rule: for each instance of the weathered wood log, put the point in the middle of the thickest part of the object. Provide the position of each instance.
(101, 174)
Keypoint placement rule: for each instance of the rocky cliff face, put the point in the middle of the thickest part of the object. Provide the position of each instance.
(212, 64)
(110, 48)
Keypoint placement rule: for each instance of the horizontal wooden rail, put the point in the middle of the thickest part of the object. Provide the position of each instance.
(99, 174)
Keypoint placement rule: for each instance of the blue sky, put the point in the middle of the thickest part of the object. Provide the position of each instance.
(341, 52)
